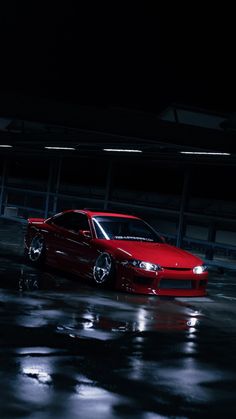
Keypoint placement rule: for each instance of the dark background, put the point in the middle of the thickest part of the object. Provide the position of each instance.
(140, 57)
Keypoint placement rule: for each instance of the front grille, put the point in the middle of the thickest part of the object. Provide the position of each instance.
(142, 280)
(175, 284)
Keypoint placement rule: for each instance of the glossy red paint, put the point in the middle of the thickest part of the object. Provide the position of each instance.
(71, 242)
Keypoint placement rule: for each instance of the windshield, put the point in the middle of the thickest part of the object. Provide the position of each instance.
(121, 228)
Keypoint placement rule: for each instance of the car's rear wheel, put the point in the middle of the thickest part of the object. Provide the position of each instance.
(36, 252)
(104, 270)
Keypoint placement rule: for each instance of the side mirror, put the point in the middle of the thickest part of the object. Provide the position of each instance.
(85, 233)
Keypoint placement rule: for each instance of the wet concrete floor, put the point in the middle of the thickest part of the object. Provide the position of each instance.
(69, 350)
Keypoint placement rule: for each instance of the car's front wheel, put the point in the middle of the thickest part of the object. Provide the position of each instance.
(103, 270)
(36, 252)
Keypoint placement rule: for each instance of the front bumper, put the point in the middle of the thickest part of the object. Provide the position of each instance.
(167, 282)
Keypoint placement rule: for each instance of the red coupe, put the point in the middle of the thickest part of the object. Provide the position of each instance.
(113, 249)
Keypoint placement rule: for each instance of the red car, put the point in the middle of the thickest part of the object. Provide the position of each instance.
(116, 249)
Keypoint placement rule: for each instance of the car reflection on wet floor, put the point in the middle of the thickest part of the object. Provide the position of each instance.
(68, 349)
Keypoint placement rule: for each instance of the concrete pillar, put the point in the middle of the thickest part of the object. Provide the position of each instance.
(211, 238)
(180, 232)
(3, 184)
(108, 184)
(48, 190)
(58, 179)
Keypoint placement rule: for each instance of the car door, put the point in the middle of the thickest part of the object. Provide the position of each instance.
(72, 250)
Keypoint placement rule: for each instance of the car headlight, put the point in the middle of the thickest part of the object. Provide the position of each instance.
(147, 266)
(199, 269)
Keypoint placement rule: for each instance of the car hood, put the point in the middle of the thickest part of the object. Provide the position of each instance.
(159, 253)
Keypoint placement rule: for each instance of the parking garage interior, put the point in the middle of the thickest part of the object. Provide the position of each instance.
(145, 128)
(58, 330)
(187, 195)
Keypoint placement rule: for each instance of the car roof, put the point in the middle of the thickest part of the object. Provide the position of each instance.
(92, 213)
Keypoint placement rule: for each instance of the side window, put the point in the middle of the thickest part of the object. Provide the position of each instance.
(62, 220)
(80, 222)
(72, 221)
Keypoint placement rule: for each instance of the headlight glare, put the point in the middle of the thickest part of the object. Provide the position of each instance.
(199, 269)
(147, 266)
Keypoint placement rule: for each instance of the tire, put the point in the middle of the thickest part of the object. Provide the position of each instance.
(104, 270)
(36, 252)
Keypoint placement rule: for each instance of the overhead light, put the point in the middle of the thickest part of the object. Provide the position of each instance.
(6, 145)
(60, 148)
(205, 153)
(122, 150)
